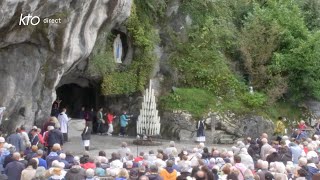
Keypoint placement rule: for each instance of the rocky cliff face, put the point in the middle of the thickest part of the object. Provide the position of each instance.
(222, 128)
(34, 58)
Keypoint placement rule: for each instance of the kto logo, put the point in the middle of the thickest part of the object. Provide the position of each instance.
(25, 20)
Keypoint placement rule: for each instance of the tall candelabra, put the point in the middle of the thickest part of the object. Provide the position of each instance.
(148, 120)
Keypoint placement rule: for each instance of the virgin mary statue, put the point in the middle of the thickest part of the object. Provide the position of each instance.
(117, 49)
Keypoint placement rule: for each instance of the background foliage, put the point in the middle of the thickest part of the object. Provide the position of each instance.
(230, 45)
(269, 45)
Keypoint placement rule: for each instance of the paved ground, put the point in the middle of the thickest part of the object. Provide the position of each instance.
(112, 143)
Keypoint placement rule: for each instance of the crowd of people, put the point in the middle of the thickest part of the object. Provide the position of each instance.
(100, 122)
(39, 154)
(35, 156)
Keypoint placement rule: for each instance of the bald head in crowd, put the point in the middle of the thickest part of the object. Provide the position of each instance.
(16, 156)
(264, 135)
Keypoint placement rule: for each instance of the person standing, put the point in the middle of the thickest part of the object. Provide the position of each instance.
(25, 137)
(86, 133)
(54, 137)
(200, 131)
(280, 127)
(55, 108)
(63, 119)
(264, 151)
(82, 113)
(34, 137)
(89, 120)
(317, 127)
(30, 172)
(100, 121)
(110, 118)
(123, 123)
(302, 125)
(93, 115)
(41, 141)
(168, 173)
(16, 140)
(13, 169)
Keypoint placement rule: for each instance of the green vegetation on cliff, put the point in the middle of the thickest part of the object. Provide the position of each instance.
(272, 46)
(227, 47)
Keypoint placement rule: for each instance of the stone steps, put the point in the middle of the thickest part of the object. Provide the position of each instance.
(226, 141)
(226, 136)
(223, 137)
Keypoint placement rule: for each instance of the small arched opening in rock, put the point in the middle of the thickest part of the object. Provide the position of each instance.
(124, 41)
(74, 97)
(218, 126)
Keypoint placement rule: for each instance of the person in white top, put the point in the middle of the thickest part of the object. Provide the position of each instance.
(63, 120)
(24, 137)
(124, 151)
(169, 149)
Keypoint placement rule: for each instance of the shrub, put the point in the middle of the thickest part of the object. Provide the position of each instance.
(196, 101)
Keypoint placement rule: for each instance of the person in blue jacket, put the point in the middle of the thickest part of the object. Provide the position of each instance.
(123, 123)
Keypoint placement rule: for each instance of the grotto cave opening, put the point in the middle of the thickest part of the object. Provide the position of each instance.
(73, 97)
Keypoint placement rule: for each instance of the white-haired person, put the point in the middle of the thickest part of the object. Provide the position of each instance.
(246, 159)
(279, 170)
(302, 162)
(312, 166)
(53, 155)
(290, 169)
(302, 125)
(14, 168)
(124, 151)
(114, 169)
(63, 160)
(264, 166)
(56, 171)
(171, 147)
(286, 140)
(265, 148)
(192, 154)
(159, 161)
(200, 147)
(311, 152)
(90, 175)
(230, 156)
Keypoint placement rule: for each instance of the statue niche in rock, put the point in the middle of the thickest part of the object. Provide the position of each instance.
(148, 124)
(117, 49)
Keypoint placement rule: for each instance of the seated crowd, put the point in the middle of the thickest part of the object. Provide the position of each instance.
(250, 159)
